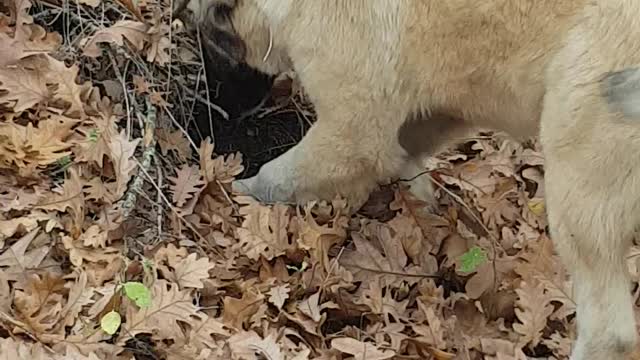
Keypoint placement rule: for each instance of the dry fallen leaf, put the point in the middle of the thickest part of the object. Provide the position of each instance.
(121, 154)
(264, 231)
(239, 311)
(172, 140)
(25, 87)
(232, 278)
(533, 310)
(186, 185)
(170, 305)
(189, 273)
(278, 295)
(92, 3)
(360, 350)
(134, 31)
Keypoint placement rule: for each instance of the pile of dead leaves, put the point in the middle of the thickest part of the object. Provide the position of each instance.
(119, 238)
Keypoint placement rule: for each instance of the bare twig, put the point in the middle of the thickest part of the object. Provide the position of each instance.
(147, 155)
(206, 82)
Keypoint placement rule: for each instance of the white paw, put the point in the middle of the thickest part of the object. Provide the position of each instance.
(421, 186)
(264, 190)
(275, 182)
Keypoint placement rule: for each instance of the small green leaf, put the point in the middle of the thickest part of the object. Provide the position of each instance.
(147, 265)
(139, 293)
(93, 135)
(473, 258)
(64, 161)
(110, 322)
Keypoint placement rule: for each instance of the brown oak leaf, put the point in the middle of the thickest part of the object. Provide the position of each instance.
(533, 310)
(22, 255)
(69, 196)
(360, 350)
(134, 31)
(217, 168)
(278, 295)
(186, 185)
(173, 141)
(39, 146)
(190, 272)
(246, 344)
(170, 306)
(239, 311)
(264, 231)
(25, 87)
(121, 155)
(206, 329)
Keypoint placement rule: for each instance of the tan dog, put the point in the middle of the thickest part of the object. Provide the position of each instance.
(393, 80)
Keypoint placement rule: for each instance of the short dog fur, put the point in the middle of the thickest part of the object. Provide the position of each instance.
(395, 80)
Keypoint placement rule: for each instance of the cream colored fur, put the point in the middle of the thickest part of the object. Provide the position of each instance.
(563, 69)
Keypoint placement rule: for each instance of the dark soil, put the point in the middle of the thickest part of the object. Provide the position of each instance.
(259, 138)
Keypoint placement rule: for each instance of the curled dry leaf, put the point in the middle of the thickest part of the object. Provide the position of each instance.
(239, 311)
(27, 38)
(158, 52)
(121, 154)
(22, 255)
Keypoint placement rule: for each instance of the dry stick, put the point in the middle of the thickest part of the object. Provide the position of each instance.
(147, 155)
(114, 64)
(494, 241)
(10, 319)
(191, 117)
(397, 273)
(182, 130)
(226, 195)
(455, 197)
(159, 201)
(209, 104)
(173, 209)
(206, 83)
(167, 88)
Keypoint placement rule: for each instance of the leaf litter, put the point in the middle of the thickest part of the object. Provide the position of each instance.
(194, 271)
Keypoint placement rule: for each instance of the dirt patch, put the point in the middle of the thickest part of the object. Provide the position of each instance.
(265, 119)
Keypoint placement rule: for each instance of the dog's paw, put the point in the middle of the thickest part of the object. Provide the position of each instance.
(267, 190)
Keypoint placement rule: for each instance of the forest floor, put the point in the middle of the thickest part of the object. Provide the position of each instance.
(120, 237)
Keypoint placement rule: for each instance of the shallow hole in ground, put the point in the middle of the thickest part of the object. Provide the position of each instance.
(274, 124)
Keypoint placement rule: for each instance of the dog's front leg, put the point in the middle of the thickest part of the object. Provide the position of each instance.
(345, 153)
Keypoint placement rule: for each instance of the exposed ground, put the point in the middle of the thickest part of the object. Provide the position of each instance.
(120, 238)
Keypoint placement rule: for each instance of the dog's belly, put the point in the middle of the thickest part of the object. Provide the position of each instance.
(485, 61)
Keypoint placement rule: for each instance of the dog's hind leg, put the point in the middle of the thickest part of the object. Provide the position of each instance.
(591, 141)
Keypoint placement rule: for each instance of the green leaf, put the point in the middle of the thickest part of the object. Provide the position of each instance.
(147, 265)
(64, 161)
(473, 258)
(139, 293)
(93, 135)
(110, 322)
